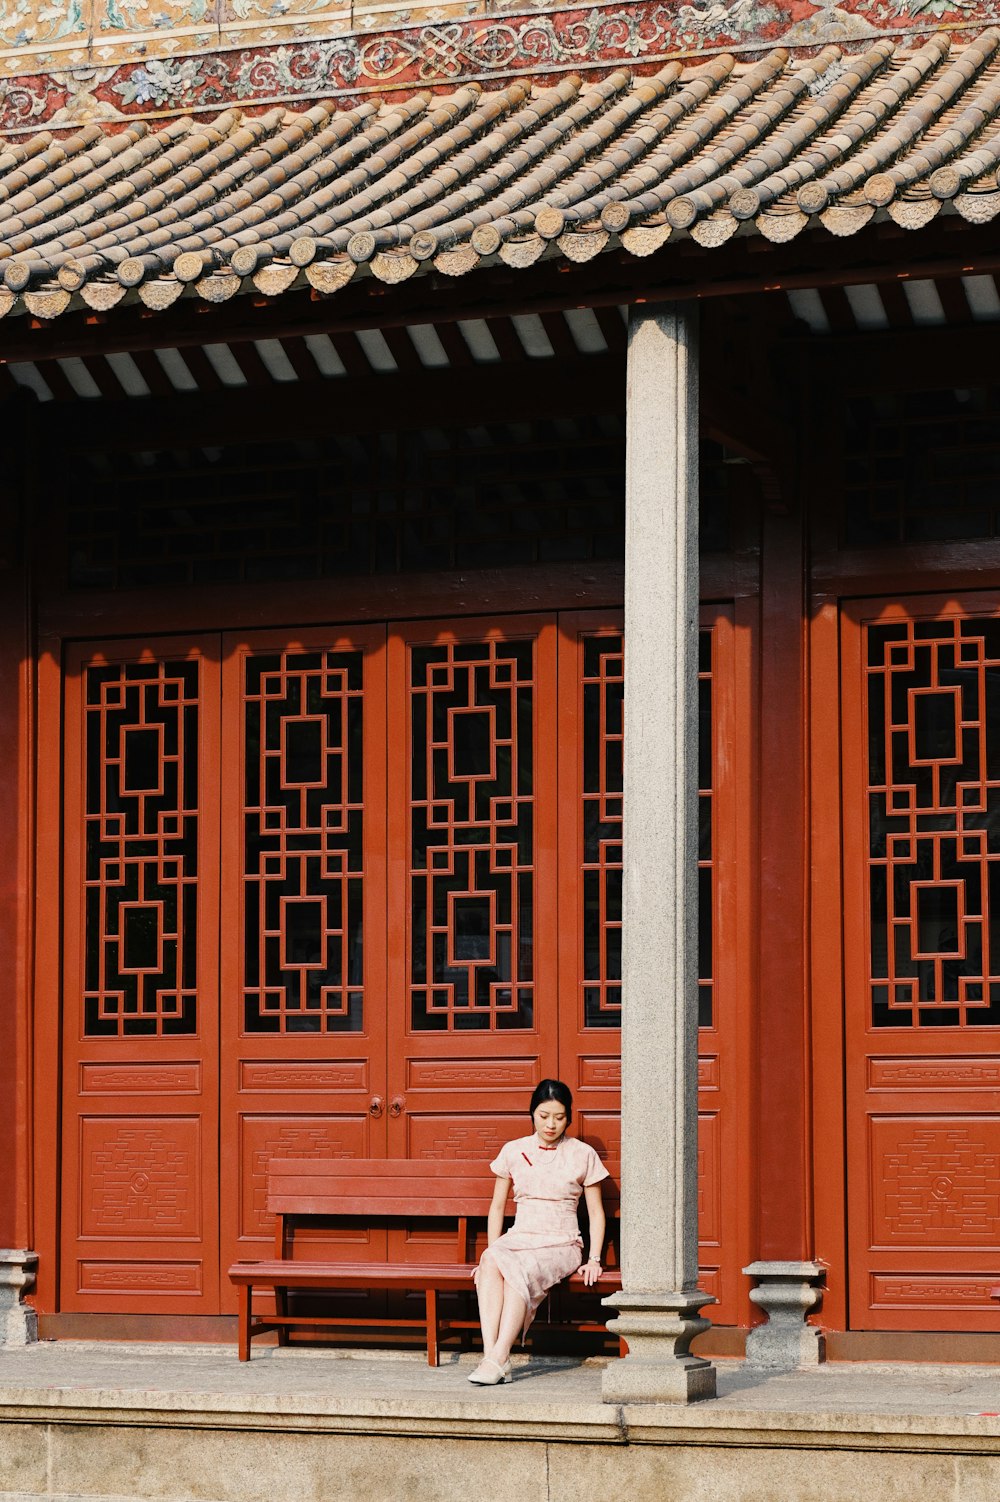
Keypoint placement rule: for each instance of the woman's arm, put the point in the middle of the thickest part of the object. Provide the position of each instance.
(498, 1205)
(591, 1269)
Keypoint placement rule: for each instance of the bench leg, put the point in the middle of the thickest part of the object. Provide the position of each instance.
(432, 1327)
(281, 1307)
(244, 1335)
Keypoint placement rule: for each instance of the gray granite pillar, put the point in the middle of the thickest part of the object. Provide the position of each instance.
(18, 1322)
(659, 1302)
(787, 1292)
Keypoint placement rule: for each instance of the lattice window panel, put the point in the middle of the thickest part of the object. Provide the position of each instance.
(601, 703)
(922, 467)
(472, 710)
(933, 734)
(141, 844)
(303, 822)
(535, 492)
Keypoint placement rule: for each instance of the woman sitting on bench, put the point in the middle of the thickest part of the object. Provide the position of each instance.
(549, 1171)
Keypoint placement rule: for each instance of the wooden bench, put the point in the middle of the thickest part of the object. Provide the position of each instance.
(378, 1194)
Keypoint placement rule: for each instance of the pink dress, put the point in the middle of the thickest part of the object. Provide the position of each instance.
(544, 1244)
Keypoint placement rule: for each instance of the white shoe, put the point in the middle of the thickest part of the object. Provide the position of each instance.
(489, 1373)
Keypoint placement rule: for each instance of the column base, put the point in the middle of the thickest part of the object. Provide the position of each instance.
(787, 1292)
(18, 1321)
(659, 1367)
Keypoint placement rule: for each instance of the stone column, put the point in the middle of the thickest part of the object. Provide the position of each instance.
(659, 1302)
(18, 1321)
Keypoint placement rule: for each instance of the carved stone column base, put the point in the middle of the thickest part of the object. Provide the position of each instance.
(659, 1367)
(787, 1292)
(18, 1321)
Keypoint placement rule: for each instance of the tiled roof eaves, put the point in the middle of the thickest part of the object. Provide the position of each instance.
(517, 174)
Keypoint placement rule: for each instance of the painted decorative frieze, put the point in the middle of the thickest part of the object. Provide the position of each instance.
(68, 62)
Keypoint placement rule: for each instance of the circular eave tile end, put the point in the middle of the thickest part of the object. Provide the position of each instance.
(945, 182)
(131, 272)
(812, 198)
(302, 251)
(189, 266)
(71, 276)
(681, 214)
(550, 222)
(744, 204)
(424, 246)
(17, 276)
(615, 217)
(880, 190)
(244, 260)
(486, 240)
(361, 247)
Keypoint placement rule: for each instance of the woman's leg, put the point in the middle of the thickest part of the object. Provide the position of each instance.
(490, 1292)
(512, 1318)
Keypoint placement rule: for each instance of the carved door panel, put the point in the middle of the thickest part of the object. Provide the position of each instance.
(922, 960)
(140, 1003)
(472, 841)
(303, 916)
(590, 781)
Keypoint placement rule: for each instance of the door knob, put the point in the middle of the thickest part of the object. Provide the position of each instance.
(396, 1105)
(376, 1106)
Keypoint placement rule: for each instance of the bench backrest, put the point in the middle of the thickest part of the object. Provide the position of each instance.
(381, 1188)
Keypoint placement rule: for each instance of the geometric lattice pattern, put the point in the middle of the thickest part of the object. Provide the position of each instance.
(352, 504)
(602, 686)
(601, 705)
(303, 850)
(934, 830)
(141, 814)
(472, 840)
(365, 504)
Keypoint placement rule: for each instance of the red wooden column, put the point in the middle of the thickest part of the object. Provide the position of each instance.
(786, 1278)
(17, 1322)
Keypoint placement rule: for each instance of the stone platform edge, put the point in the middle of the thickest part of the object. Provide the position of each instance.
(570, 1422)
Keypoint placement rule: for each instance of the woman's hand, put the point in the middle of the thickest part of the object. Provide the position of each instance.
(591, 1271)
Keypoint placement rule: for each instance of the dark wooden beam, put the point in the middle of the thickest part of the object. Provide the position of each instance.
(251, 363)
(911, 359)
(301, 359)
(954, 301)
(505, 337)
(58, 381)
(152, 372)
(897, 309)
(402, 350)
(202, 369)
(592, 384)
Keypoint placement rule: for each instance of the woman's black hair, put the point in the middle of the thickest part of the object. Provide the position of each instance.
(552, 1090)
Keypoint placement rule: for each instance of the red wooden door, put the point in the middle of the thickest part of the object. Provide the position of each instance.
(140, 998)
(590, 781)
(303, 914)
(472, 865)
(921, 716)
(398, 853)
